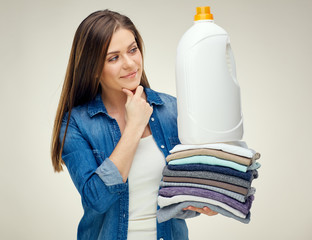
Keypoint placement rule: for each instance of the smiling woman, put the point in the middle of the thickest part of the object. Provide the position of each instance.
(86, 62)
(113, 133)
(123, 65)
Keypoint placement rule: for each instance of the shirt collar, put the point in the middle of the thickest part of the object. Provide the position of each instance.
(96, 105)
(153, 97)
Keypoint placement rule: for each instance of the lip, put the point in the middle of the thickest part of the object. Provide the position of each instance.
(130, 75)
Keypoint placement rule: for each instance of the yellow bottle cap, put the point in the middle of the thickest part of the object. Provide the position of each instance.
(203, 13)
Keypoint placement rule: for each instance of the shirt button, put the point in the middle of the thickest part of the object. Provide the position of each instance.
(161, 239)
(162, 146)
(152, 119)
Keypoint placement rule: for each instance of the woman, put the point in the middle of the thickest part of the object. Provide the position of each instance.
(113, 133)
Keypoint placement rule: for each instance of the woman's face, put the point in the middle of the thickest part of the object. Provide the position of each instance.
(123, 63)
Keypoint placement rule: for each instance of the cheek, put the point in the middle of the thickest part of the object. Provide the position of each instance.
(110, 71)
(138, 58)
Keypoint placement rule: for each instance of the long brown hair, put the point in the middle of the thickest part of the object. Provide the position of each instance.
(86, 61)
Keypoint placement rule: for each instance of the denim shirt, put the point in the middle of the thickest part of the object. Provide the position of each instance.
(91, 137)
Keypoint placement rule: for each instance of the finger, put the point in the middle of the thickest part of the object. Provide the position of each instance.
(200, 210)
(204, 210)
(128, 93)
(191, 208)
(139, 91)
(209, 212)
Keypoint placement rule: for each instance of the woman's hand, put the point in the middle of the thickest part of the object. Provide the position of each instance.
(137, 115)
(138, 111)
(204, 210)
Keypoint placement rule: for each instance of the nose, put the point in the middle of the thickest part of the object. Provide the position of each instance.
(128, 62)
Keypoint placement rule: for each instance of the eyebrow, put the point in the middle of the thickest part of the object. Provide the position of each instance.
(114, 52)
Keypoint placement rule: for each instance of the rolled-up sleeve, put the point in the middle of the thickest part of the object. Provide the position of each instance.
(99, 186)
(109, 173)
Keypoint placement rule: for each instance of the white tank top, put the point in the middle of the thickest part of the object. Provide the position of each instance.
(144, 178)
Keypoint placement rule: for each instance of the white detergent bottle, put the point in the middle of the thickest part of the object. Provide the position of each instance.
(208, 94)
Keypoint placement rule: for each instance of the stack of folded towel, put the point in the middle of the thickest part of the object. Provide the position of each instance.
(217, 175)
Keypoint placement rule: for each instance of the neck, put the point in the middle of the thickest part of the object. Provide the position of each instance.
(114, 101)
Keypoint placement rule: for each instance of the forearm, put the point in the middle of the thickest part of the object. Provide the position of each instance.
(123, 154)
(137, 115)
(99, 186)
(99, 196)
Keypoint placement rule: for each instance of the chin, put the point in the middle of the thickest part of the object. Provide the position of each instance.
(133, 87)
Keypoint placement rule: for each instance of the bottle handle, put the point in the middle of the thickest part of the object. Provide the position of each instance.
(231, 61)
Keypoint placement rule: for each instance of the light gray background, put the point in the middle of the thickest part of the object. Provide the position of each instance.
(271, 40)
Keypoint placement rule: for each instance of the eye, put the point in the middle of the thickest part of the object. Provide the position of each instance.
(112, 59)
(134, 49)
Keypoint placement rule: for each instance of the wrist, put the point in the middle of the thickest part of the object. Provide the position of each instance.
(135, 132)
